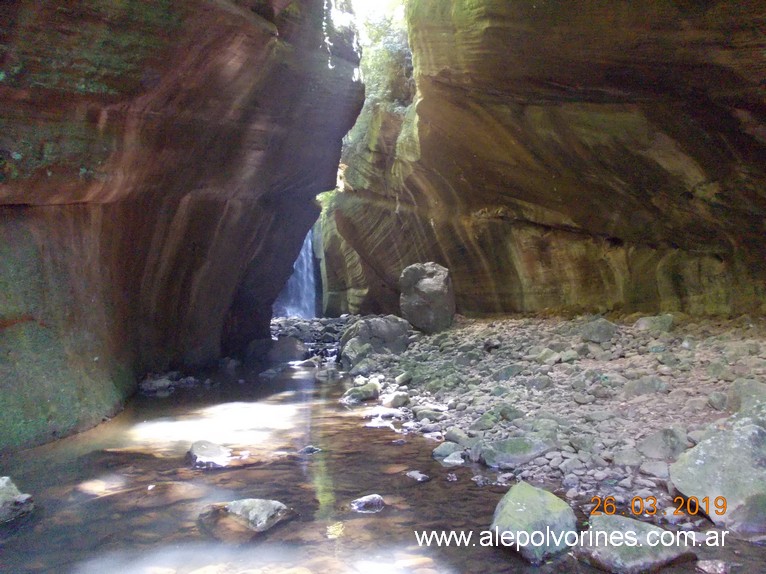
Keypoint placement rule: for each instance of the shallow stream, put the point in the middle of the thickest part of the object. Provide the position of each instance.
(121, 498)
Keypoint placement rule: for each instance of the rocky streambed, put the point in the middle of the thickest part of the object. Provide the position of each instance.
(657, 423)
(661, 418)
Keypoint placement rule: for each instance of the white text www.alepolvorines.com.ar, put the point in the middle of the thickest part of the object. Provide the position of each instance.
(571, 538)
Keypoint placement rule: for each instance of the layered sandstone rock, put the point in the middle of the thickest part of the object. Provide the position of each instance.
(158, 164)
(577, 155)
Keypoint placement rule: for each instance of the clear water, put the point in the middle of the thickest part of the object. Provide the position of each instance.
(298, 298)
(120, 498)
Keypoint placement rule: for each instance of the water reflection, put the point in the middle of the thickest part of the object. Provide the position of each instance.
(107, 502)
(265, 559)
(236, 424)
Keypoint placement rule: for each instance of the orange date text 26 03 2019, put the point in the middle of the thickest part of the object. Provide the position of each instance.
(648, 505)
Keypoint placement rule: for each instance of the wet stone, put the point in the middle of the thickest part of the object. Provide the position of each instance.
(241, 520)
(418, 476)
(616, 555)
(369, 504)
(445, 449)
(525, 508)
(208, 455)
(454, 459)
(13, 503)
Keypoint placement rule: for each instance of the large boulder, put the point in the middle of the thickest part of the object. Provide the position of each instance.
(13, 503)
(428, 299)
(389, 334)
(627, 546)
(598, 331)
(729, 464)
(744, 393)
(525, 511)
(287, 349)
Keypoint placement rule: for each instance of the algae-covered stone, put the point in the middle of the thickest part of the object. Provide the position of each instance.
(445, 449)
(510, 453)
(366, 392)
(530, 510)
(459, 436)
(260, 514)
(507, 372)
(729, 463)
(626, 546)
(484, 422)
(241, 520)
(387, 334)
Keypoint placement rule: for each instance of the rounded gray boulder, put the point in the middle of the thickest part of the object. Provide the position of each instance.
(428, 298)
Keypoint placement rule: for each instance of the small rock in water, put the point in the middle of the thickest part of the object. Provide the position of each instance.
(240, 520)
(368, 504)
(451, 477)
(481, 480)
(399, 441)
(384, 413)
(310, 449)
(419, 476)
(13, 504)
(454, 459)
(445, 449)
(206, 454)
(379, 423)
(365, 392)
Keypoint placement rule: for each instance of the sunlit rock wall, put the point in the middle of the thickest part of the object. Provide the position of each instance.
(575, 155)
(158, 167)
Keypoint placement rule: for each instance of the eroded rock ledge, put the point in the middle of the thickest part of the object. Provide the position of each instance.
(151, 154)
(562, 155)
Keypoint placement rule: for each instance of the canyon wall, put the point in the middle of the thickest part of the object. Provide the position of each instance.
(582, 155)
(158, 167)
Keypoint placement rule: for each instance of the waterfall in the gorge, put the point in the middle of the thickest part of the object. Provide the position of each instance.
(298, 298)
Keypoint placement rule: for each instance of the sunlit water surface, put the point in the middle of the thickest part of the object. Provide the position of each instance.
(121, 498)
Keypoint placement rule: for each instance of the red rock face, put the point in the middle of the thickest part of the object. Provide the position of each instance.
(158, 167)
(566, 155)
